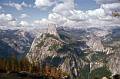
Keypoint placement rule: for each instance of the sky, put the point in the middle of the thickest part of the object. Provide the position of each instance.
(71, 13)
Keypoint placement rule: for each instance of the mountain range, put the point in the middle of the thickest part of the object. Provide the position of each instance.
(82, 53)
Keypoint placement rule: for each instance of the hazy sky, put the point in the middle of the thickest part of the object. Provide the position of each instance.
(62, 12)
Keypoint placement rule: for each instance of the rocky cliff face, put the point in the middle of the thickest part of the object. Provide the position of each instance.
(15, 41)
(50, 49)
(82, 53)
(112, 41)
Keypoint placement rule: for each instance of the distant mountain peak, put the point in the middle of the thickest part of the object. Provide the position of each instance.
(52, 29)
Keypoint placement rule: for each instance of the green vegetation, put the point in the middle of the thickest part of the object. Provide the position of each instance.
(99, 56)
(84, 72)
(100, 72)
(54, 61)
(13, 68)
(43, 40)
(40, 44)
(13, 64)
(66, 48)
(64, 37)
(51, 35)
(54, 47)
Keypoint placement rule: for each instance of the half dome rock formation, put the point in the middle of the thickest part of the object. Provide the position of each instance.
(52, 29)
(48, 49)
(78, 52)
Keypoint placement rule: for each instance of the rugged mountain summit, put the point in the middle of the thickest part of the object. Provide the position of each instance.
(16, 41)
(79, 52)
(49, 49)
(82, 53)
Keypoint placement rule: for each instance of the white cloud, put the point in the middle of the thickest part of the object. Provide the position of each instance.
(109, 8)
(70, 22)
(44, 3)
(41, 23)
(7, 20)
(18, 6)
(96, 14)
(91, 18)
(24, 23)
(13, 23)
(76, 24)
(56, 18)
(65, 14)
(69, 16)
(6, 17)
(22, 16)
(101, 23)
(107, 1)
(64, 8)
(78, 15)
(67, 10)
